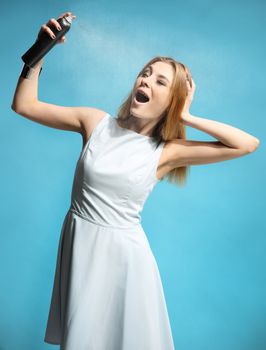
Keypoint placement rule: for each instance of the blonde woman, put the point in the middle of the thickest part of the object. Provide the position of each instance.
(107, 292)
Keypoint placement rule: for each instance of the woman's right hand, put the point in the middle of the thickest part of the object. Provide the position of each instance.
(53, 24)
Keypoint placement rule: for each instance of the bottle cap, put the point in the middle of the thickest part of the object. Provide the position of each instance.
(68, 19)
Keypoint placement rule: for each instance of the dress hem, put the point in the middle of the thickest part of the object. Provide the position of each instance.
(52, 342)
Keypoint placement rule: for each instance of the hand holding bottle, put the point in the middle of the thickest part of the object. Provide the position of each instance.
(53, 26)
(51, 33)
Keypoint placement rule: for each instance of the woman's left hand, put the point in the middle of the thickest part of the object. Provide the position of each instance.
(191, 87)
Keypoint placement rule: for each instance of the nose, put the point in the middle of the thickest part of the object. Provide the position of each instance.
(144, 81)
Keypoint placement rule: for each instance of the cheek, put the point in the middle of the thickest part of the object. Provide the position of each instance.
(163, 99)
(167, 98)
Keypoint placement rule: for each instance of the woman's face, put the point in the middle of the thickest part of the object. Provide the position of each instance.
(155, 82)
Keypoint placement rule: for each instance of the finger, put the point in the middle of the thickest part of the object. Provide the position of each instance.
(62, 40)
(54, 22)
(46, 29)
(189, 79)
(189, 84)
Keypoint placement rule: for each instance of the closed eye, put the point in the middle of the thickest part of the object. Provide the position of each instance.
(160, 82)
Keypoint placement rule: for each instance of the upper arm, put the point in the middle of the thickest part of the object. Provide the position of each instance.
(189, 152)
(61, 117)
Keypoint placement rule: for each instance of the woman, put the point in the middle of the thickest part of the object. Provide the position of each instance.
(107, 292)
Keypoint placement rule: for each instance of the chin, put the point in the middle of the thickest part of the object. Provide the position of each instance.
(139, 112)
(136, 114)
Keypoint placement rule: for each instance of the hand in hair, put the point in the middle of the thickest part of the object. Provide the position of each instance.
(191, 87)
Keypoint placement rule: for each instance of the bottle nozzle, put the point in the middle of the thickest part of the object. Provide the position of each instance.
(68, 19)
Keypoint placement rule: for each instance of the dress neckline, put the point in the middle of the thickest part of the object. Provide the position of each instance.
(132, 131)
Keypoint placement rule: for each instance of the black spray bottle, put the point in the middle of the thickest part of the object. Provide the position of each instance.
(44, 43)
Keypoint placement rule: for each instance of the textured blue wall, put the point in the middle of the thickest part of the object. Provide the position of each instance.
(209, 237)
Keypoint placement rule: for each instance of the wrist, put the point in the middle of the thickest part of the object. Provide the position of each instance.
(39, 63)
(28, 72)
(186, 117)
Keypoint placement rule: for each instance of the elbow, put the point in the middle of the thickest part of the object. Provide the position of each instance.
(22, 108)
(17, 109)
(14, 107)
(253, 145)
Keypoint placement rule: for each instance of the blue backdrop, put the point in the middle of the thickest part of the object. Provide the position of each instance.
(208, 237)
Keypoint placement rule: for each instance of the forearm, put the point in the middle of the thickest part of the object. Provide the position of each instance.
(27, 89)
(227, 134)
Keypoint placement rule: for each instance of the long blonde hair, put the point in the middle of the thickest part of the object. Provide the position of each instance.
(170, 126)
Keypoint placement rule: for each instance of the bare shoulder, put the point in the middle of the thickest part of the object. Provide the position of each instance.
(90, 118)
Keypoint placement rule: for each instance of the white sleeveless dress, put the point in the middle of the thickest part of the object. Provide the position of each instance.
(107, 292)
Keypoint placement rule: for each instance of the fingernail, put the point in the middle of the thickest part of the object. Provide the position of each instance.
(59, 28)
(53, 36)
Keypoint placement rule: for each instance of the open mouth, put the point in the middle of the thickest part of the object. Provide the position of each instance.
(141, 97)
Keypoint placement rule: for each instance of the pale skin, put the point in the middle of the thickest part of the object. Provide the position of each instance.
(231, 142)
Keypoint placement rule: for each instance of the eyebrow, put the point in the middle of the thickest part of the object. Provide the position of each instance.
(159, 75)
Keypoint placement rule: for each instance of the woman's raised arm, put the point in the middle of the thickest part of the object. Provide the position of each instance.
(26, 102)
